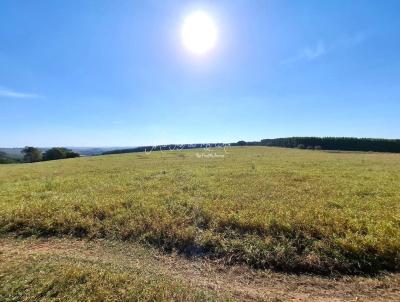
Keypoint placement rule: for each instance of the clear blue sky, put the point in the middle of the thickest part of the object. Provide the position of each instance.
(115, 73)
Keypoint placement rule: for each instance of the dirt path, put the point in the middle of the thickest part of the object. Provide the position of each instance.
(242, 283)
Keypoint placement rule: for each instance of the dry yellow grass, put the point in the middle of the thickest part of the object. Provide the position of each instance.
(292, 210)
(69, 269)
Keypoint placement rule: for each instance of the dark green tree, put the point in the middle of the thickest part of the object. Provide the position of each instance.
(31, 154)
(59, 153)
(72, 154)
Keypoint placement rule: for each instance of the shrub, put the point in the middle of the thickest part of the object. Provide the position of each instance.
(31, 154)
(59, 153)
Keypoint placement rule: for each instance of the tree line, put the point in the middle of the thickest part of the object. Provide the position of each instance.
(32, 154)
(336, 143)
(307, 142)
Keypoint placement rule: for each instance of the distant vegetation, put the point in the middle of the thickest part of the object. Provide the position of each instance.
(170, 147)
(336, 143)
(59, 153)
(8, 159)
(32, 154)
(15, 155)
(314, 143)
(287, 209)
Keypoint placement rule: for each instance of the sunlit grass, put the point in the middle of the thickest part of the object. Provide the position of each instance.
(52, 277)
(293, 210)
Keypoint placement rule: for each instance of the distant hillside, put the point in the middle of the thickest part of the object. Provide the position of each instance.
(85, 151)
(9, 158)
(169, 147)
(319, 143)
(90, 151)
(15, 152)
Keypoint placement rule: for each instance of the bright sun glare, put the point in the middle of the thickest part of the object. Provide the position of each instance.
(199, 33)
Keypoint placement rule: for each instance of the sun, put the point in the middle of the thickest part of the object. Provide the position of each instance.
(199, 33)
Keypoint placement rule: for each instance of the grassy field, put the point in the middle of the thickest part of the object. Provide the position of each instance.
(71, 270)
(287, 209)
